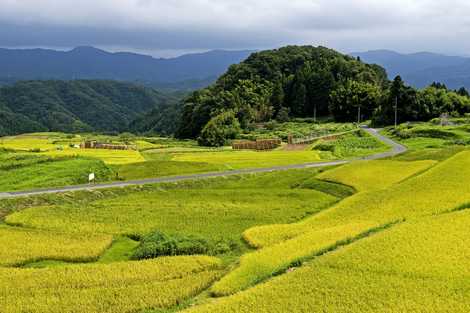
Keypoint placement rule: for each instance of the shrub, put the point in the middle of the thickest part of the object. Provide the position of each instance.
(158, 244)
(283, 115)
(219, 130)
(433, 133)
(325, 147)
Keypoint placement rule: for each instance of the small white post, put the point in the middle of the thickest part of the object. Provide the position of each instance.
(91, 178)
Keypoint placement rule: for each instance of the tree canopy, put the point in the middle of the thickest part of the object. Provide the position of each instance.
(297, 78)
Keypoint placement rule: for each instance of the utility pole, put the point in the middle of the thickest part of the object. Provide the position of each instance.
(315, 113)
(358, 114)
(396, 111)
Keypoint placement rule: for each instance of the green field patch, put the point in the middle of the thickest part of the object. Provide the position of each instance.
(32, 172)
(20, 246)
(162, 168)
(216, 209)
(353, 144)
(116, 287)
(121, 249)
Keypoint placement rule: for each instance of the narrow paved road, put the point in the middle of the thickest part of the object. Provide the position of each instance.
(396, 148)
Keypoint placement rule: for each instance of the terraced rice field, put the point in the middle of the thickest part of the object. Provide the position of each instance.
(360, 214)
(250, 159)
(27, 142)
(116, 287)
(107, 156)
(183, 207)
(367, 175)
(370, 236)
(417, 266)
(21, 245)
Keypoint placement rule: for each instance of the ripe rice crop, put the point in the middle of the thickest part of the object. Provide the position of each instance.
(107, 156)
(262, 264)
(215, 209)
(367, 175)
(117, 287)
(250, 159)
(19, 246)
(371, 209)
(27, 143)
(422, 195)
(418, 266)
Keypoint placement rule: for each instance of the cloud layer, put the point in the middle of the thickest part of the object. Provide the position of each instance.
(406, 25)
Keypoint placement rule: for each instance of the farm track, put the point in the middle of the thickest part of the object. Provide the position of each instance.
(396, 149)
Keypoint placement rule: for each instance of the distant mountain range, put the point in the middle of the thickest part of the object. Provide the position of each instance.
(189, 71)
(198, 70)
(422, 69)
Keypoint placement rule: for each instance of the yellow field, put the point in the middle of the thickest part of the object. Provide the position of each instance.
(20, 245)
(45, 143)
(285, 244)
(27, 143)
(107, 156)
(418, 266)
(264, 263)
(145, 145)
(422, 195)
(250, 159)
(102, 288)
(380, 174)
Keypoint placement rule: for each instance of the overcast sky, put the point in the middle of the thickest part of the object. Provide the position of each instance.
(168, 27)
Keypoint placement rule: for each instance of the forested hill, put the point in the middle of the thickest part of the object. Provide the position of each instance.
(294, 80)
(74, 106)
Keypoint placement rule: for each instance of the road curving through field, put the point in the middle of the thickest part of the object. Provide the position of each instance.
(396, 149)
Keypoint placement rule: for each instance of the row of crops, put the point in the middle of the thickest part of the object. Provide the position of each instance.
(116, 287)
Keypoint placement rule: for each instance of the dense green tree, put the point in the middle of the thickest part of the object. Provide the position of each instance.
(220, 129)
(297, 78)
(354, 101)
(463, 92)
(419, 105)
(438, 85)
(404, 98)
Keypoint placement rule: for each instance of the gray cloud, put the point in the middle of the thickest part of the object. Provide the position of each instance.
(235, 24)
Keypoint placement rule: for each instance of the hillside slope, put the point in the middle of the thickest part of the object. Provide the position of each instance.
(82, 105)
(296, 80)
